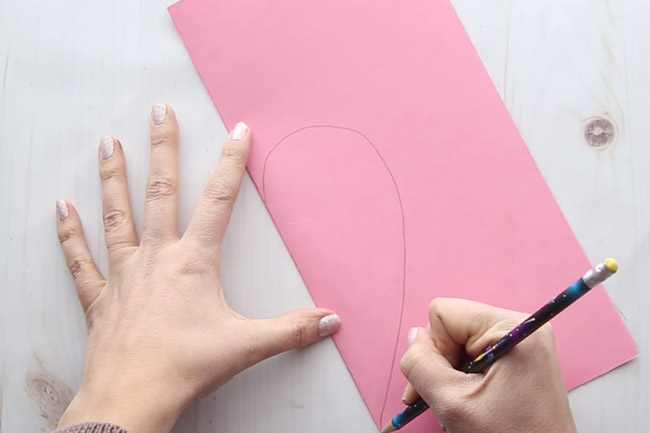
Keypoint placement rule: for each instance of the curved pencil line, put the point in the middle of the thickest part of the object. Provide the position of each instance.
(399, 199)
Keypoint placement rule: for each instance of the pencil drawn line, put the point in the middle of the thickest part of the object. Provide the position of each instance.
(399, 199)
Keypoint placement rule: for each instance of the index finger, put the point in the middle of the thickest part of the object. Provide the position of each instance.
(212, 214)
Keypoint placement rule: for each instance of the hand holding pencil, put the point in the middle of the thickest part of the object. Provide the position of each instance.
(523, 391)
(469, 398)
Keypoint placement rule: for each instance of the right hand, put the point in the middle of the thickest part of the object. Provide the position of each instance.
(521, 392)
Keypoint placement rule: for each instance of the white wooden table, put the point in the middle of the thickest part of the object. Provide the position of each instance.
(73, 70)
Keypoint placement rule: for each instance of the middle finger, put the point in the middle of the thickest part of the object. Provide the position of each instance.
(161, 207)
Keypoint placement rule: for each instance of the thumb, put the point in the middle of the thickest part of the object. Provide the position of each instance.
(292, 330)
(429, 372)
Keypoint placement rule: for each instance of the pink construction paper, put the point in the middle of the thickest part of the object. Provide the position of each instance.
(394, 174)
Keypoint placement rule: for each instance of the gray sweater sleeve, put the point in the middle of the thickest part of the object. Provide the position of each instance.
(92, 427)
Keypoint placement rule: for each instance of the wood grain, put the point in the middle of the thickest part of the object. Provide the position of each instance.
(71, 71)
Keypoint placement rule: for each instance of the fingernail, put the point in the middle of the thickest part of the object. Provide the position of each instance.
(404, 395)
(106, 147)
(328, 324)
(239, 131)
(158, 113)
(413, 333)
(61, 210)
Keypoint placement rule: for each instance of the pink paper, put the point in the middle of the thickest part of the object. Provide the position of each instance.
(394, 174)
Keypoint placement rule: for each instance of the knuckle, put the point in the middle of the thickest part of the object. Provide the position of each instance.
(404, 364)
(409, 361)
(437, 307)
(188, 269)
(434, 306)
(299, 333)
(493, 320)
(232, 154)
(161, 139)
(78, 265)
(501, 326)
(108, 172)
(159, 188)
(219, 191)
(120, 248)
(114, 218)
(190, 266)
(486, 316)
(67, 234)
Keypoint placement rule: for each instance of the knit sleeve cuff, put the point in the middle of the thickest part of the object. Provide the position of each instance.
(92, 427)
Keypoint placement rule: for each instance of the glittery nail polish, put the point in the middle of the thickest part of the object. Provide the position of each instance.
(239, 131)
(61, 210)
(328, 325)
(158, 113)
(413, 333)
(106, 147)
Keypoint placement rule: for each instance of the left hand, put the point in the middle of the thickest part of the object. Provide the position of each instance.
(160, 333)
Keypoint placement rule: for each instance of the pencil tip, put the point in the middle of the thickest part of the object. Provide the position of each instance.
(389, 428)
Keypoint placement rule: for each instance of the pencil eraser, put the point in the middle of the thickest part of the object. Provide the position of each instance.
(611, 265)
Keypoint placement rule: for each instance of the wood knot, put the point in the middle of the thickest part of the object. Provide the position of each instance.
(49, 394)
(599, 132)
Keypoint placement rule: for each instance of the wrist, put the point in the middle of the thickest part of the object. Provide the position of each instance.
(131, 409)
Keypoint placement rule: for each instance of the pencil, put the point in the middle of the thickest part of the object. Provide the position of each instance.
(490, 354)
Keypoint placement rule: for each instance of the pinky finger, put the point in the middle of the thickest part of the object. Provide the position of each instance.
(87, 278)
